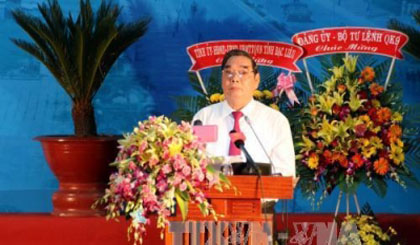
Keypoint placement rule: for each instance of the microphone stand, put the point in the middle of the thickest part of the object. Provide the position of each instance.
(249, 161)
(248, 121)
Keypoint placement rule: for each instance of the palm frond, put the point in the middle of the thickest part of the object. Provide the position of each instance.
(413, 46)
(416, 16)
(79, 53)
(187, 107)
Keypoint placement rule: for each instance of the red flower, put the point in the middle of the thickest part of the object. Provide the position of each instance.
(343, 161)
(383, 115)
(381, 166)
(336, 109)
(320, 145)
(372, 114)
(394, 132)
(341, 88)
(327, 157)
(357, 160)
(362, 95)
(360, 130)
(376, 89)
(345, 111)
(368, 74)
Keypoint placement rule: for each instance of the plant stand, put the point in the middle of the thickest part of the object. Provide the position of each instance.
(356, 202)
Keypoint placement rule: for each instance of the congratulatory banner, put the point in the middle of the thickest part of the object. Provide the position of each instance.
(275, 54)
(351, 40)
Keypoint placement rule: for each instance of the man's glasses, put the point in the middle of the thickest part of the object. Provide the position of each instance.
(241, 74)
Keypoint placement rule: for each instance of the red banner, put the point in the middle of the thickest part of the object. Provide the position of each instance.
(351, 39)
(275, 54)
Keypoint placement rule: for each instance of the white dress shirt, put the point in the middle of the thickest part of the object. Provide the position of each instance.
(271, 127)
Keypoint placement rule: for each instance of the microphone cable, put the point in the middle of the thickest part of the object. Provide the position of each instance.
(248, 121)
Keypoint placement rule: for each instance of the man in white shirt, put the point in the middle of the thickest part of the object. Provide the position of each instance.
(240, 78)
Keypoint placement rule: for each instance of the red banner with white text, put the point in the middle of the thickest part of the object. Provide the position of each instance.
(352, 40)
(265, 53)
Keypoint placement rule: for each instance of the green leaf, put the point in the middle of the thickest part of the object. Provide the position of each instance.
(203, 208)
(182, 199)
(379, 186)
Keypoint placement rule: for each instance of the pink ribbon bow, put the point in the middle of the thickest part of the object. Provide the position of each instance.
(285, 83)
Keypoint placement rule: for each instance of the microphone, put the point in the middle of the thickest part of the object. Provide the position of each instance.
(197, 122)
(248, 121)
(238, 140)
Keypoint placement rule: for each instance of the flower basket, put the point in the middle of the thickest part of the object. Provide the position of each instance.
(364, 229)
(160, 165)
(353, 136)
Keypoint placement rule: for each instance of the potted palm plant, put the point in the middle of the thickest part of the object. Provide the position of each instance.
(79, 53)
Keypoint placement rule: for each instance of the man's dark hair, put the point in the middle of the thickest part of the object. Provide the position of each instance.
(238, 52)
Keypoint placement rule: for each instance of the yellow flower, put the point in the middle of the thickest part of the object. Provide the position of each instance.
(396, 154)
(337, 71)
(175, 147)
(275, 107)
(398, 143)
(392, 230)
(365, 142)
(350, 63)
(215, 98)
(365, 118)
(396, 117)
(376, 103)
(369, 151)
(268, 94)
(258, 94)
(222, 97)
(313, 161)
(376, 142)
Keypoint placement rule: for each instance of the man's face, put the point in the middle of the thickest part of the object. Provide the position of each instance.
(239, 81)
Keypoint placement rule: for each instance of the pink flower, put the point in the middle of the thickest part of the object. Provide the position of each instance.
(132, 166)
(203, 163)
(125, 188)
(153, 161)
(165, 155)
(143, 145)
(162, 185)
(198, 175)
(152, 119)
(186, 170)
(177, 179)
(183, 186)
(199, 197)
(166, 169)
(213, 179)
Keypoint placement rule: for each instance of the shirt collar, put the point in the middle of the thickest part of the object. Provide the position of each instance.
(227, 110)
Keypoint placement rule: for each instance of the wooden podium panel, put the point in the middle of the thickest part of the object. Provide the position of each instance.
(242, 203)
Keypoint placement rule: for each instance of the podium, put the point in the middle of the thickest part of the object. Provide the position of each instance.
(240, 209)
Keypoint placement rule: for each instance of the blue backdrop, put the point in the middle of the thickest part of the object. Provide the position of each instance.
(150, 73)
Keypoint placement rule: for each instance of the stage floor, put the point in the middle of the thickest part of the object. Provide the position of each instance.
(27, 229)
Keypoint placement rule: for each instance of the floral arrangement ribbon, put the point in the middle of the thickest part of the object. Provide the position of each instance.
(286, 83)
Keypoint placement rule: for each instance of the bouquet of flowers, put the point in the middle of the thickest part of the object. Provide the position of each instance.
(159, 165)
(353, 135)
(364, 229)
